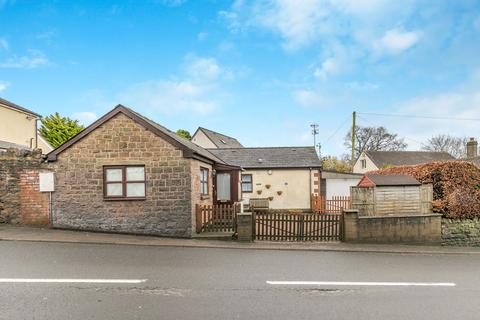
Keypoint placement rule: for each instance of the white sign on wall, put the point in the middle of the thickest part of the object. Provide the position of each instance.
(46, 182)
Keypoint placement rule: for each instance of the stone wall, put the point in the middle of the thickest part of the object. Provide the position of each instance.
(20, 199)
(461, 232)
(78, 200)
(418, 229)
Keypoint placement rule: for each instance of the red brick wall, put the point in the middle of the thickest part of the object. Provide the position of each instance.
(34, 205)
(20, 200)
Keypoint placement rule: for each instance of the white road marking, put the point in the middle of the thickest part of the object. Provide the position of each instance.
(341, 283)
(25, 280)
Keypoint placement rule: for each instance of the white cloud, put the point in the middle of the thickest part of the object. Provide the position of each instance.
(329, 67)
(310, 98)
(463, 103)
(169, 96)
(298, 22)
(301, 23)
(85, 117)
(202, 68)
(3, 44)
(3, 86)
(33, 59)
(396, 41)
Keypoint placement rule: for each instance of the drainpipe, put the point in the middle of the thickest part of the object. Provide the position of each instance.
(36, 133)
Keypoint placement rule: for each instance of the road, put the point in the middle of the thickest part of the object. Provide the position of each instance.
(193, 283)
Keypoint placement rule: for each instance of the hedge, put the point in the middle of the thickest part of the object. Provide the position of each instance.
(456, 186)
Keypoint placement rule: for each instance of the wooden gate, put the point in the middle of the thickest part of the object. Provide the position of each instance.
(297, 227)
(216, 218)
(320, 204)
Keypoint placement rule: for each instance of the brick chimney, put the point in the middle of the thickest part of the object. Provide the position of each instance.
(472, 148)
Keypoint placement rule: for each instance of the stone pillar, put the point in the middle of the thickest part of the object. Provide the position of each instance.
(245, 226)
(350, 225)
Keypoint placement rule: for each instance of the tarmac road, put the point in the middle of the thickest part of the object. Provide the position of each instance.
(74, 281)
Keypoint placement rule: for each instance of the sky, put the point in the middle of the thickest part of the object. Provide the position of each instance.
(260, 71)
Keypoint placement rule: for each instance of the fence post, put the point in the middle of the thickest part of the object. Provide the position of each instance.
(198, 218)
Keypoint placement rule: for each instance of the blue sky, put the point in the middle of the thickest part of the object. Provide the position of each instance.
(261, 71)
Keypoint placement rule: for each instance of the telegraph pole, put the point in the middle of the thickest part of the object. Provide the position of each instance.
(315, 131)
(354, 119)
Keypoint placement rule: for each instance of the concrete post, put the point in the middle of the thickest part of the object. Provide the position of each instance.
(350, 225)
(245, 226)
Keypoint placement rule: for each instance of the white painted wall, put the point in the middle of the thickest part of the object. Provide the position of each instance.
(200, 139)
(294, 184)
(357, 168)
(340, 187)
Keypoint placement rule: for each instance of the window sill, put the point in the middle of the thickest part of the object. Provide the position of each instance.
(126, 199)
(204, 197)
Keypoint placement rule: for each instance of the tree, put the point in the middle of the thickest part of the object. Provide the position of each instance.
(57, 129)
(443, 142)
(335, 164)
(374, 139)
(184, 134)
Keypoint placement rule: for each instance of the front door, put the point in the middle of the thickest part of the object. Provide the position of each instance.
(223, 186)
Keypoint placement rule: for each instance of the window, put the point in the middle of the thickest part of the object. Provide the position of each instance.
(363, 162)
(204, 181)
(124, 182)
(247, 183)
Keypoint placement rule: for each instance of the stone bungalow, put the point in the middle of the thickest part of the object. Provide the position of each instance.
(126, 173)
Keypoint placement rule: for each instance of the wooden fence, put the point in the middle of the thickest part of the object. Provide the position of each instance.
(215, 218)
(335, 205)
(297, 227)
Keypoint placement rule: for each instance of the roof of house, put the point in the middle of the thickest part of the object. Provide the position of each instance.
(384, 180)
(220, 140)
(402, 158)
(17, 107)
(270, 157)
(8, 145)
(190, 150)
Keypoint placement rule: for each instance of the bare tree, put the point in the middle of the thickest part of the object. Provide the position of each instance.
(374, 139)
(456, 146)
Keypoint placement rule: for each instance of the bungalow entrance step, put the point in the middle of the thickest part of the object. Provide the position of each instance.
(214, 235)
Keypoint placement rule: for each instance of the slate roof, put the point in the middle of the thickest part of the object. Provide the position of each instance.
(8, 145)
(17, 107)
(385, 180)
(221, 140)
(273, 157)
(190, 149)
(404, 158)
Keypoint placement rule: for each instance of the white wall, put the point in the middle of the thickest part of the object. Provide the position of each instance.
(340, 187)
(293, 183)
(200, 139)
(357, 168)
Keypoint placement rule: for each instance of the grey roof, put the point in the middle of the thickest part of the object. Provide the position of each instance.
(17, 107)
(272, 157)
(221, 140)
(393, 180)
(8, 145)
(404, 158)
